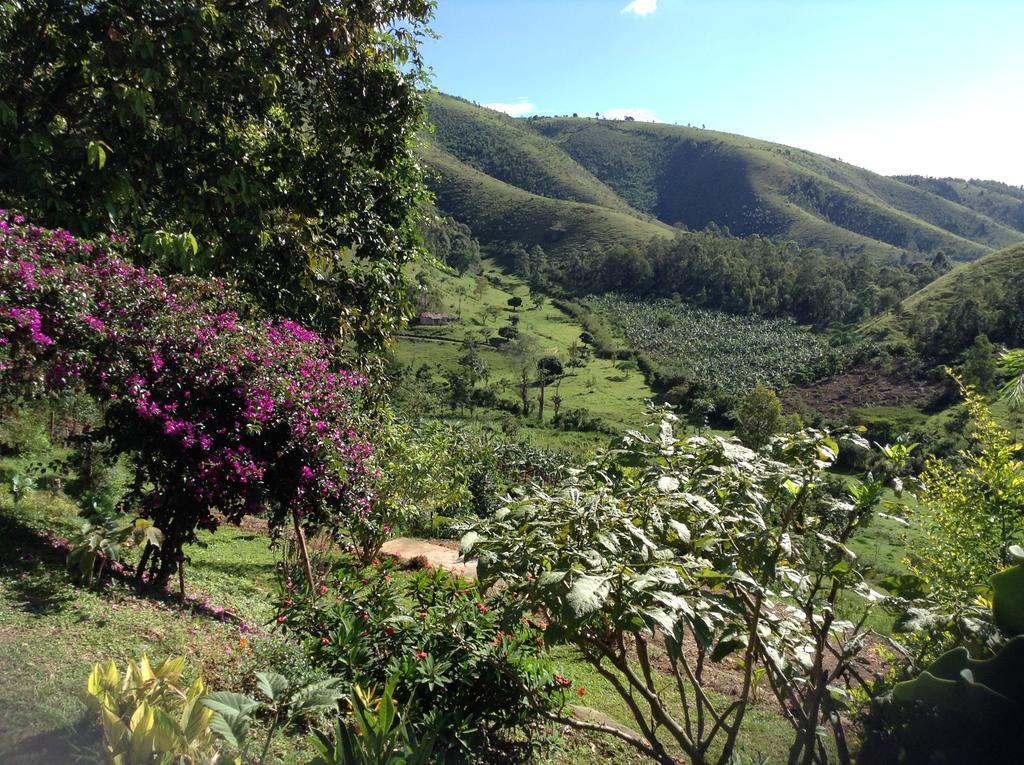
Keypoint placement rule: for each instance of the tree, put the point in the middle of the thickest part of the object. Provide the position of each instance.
(758, 417)
(268, 143)
(701, 542)
(548, 369)
(491, 312)
(515, 302)
(579, 355)
(972, 513)
(980, 365)
(474, 366)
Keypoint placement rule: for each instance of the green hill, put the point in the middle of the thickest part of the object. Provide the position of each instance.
(986, 296)
(696, 177)
(500, 212)
(999, 201)
(508, 150)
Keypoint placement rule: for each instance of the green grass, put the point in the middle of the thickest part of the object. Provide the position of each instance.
(500, 212)
(764, 731)
(52, 631)
(509, 151)
(998, 201)
(618, 397)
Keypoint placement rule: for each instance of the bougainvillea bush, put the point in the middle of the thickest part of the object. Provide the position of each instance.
(221, 410)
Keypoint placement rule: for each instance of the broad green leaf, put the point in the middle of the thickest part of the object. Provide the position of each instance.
(549, 578)
(233, 728)
(1008, 599)
(587, 595)
(228, 703)
(271, 684)
(725, 647)
(468, 541)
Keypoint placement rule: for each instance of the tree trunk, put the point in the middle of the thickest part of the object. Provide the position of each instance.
(146, 552)
(300, 538)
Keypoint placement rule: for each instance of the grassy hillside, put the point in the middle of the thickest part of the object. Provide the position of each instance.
(613, 395)
(999, 201)
(983, 296)
(497, 211)
(506, 149)
(695, 177)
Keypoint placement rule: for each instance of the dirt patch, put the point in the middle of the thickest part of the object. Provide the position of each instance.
(437, 554)
(864, 385)
(726, 677)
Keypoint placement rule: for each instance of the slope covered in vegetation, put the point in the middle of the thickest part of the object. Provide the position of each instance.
(696, 177)
(999, 201)
(507, 149)
(500, 212)
(941, 319)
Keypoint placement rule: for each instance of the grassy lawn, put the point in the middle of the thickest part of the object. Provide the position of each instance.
(52, 631)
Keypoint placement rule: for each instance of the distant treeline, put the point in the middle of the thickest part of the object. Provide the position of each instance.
(741, 275)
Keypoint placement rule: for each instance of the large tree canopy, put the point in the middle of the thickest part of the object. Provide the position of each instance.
(266, 141)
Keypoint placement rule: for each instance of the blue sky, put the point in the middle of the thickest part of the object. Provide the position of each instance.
(935, 88)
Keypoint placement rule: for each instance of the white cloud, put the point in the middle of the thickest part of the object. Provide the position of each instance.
(641, 7)
(517, 108)
(644, 115)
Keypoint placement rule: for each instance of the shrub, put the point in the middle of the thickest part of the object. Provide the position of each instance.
(581, 419)
(758, 417)
(376, 734)
(972, 512)
(662, 537)
(220, 410)
(960, 709)
(469, 660)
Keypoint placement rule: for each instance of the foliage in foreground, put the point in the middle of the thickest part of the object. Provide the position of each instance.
(221, 411)
(149, 714)
(468, 665)
(961, 709)
(291, 171)
(715, 551)
(972, 512)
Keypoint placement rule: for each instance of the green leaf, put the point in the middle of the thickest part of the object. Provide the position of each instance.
(271, 684)
(1008, 599)
(682, 531)
(467, 542)
(231, 727)
(228, 703)
(320, 695)
(549, 578)
(587, 595)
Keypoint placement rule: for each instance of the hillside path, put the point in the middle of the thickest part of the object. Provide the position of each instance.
(437, 555)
